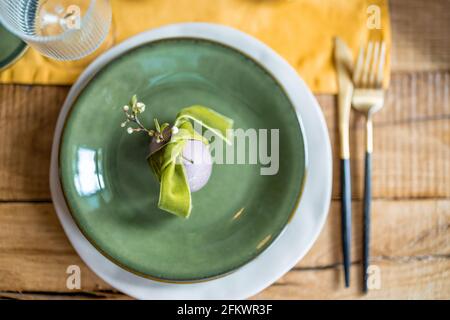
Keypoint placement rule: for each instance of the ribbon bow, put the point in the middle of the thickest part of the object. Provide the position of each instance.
(166, 159)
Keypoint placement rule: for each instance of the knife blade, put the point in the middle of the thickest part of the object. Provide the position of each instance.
(344, 65)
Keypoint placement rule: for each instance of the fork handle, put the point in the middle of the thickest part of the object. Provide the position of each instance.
(346, 211)
(367, 201)
(366, 231)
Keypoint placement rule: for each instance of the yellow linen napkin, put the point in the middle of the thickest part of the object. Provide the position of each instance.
(301, 31)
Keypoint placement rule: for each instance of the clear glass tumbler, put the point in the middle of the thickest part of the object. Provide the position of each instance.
(59, 29)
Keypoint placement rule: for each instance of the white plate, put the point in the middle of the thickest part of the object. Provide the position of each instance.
(298, 236)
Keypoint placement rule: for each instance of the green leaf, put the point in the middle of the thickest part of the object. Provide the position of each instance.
(158, 128)
(133, 101)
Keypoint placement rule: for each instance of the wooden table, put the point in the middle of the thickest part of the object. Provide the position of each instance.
(411, 184)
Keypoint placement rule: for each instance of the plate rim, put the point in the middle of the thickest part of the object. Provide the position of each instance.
(15, 56)
(223, 35)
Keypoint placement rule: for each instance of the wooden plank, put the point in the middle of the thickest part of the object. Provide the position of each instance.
(27, 121)
(399, 229)
(35, 253)
(45, 272)
(413, 279)
(97, 295)
(412, 139)
(420, 35)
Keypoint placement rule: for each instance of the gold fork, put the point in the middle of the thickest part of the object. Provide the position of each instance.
(368, 98)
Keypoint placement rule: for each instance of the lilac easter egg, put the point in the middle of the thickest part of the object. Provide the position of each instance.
(198, 164)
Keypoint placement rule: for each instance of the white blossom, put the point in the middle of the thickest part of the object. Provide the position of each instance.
(140, 107)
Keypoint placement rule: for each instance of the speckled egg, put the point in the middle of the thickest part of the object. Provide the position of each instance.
(198, 164)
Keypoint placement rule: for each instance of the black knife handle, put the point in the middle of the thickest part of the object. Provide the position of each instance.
(346, 210)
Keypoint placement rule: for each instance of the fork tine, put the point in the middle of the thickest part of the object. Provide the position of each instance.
(381, 62)
(358, 67)
(365, 72)
(373, 69)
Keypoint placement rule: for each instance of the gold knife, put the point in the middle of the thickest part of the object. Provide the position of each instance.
(344, 64)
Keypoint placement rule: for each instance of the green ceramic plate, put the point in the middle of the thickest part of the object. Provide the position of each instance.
(112, 193)
(11, 48)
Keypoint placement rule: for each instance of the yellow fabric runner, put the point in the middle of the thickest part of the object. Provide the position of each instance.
(300, 30)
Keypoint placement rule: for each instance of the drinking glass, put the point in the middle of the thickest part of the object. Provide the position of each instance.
(59, 29)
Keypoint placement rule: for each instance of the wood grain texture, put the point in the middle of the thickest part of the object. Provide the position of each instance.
(420, 35)
(412, 279)
(411, 139)
(35, 253)
(411, 184)
(418, 228)
(27, 120)
(94, 295)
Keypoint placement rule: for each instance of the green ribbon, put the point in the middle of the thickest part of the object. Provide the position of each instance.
(167, 164)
